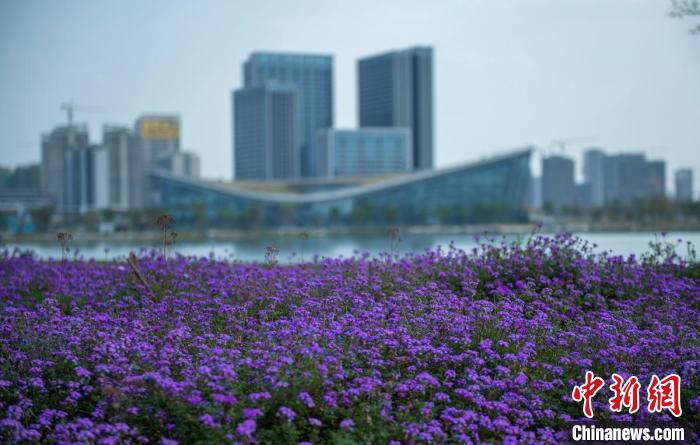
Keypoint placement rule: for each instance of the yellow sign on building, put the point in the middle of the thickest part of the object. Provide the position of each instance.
(159, 129)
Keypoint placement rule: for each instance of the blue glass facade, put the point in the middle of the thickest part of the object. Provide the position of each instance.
(395, 89)
(488, 191)
(265, 138)
(364, 152)
(311, 76)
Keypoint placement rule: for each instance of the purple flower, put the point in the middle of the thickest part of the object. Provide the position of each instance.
(259, 396)
(252, 413)
(208, 420)
(224, 399)
(445, 346)
(82, 372)
(246, 428)
(306, 399)
(287, 412)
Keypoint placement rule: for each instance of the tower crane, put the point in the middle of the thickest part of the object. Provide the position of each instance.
(561, 143)
(71, 107)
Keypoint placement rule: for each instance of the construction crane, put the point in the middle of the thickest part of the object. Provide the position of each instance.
(561, 143)
(71, 107)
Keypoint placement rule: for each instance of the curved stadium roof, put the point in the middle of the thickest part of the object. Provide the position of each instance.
(250, 191)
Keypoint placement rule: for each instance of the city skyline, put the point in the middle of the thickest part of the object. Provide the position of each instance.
(615, 72)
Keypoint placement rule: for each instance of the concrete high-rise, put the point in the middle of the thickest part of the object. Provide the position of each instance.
(593, 176)
(630, 177)
(55, 147)
(158, 137)
(265, 139)
(127, 168)
(684, 185)
(395, 89)
(310, 79)
(655, 184)
(86, 180)
(558, 186)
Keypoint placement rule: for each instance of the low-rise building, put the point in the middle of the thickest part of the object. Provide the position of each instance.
(364, 152)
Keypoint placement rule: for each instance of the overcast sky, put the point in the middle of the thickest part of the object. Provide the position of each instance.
(507, 73)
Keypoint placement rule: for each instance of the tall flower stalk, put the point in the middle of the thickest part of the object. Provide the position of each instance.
(165, 222)
(64, 238)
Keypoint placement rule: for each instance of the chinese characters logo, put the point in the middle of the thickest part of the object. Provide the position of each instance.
(662, 394)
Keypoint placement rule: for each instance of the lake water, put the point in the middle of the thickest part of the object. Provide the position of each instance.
(291, 248)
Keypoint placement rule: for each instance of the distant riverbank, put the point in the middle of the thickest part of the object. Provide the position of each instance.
(153, 236)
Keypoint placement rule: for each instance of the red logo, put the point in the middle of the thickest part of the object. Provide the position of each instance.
(665, 394)
(625, 394)
(587, 391)
(661, 394)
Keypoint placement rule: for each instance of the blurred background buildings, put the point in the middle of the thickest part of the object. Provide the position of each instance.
(292, 167)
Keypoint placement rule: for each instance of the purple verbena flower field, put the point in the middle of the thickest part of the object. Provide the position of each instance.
(444, 346)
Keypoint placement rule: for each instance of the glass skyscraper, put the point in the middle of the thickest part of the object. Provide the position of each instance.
(395, 89)
(265, 137)
(311, 79)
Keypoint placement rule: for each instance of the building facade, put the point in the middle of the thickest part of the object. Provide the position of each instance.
(395, 89)
(364, 152)
(127, 168)
(593, 176)
(630, 177)
(265, 136)
(55, 148)
(86, 180)
(684, 185)
(310, 78)
(558, 186)
(81, 177)
(158, 137)
(183, 164)
(534, 192)
(493, 190)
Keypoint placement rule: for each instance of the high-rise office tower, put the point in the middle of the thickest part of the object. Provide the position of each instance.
(684, 184)
(593, 176)
(310, 78)
(558, 187)
(655, 179)
(629, 177)
(158, 137)
(127, 168)
(265, 133)
(395, 89)
(55, 147)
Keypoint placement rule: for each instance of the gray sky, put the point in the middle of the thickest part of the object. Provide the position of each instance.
(507, 73)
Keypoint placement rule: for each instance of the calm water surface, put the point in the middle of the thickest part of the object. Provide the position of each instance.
(291, 248)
